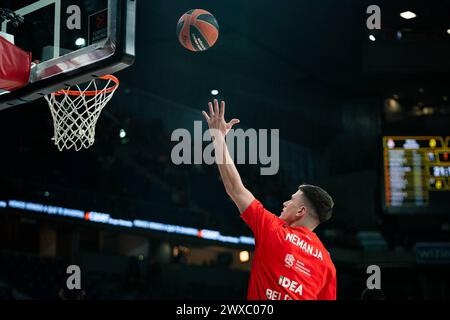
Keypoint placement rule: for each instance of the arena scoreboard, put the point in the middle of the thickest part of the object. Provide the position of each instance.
(416, 174)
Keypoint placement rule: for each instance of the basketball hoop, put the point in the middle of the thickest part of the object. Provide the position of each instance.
(75, 112)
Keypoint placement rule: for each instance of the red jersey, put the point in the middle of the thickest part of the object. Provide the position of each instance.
(290, 263)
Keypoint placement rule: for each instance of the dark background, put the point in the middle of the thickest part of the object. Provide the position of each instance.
(307, 68)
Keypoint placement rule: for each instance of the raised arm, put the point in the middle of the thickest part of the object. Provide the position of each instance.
(230, 176)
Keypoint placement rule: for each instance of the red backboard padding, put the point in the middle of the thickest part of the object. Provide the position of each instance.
(15, 66)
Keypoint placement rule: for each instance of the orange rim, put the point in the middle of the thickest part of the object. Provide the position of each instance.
(91, 93)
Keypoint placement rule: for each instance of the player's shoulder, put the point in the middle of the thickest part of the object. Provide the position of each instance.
(258, 205)
(329, 262)
(327, 255)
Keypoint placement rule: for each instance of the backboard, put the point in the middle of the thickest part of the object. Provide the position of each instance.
(71, 41)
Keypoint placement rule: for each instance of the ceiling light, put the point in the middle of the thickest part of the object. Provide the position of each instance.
(407, 15)
(80, 42)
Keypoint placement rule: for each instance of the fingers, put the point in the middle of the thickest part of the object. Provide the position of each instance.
(233, 122)
(214, 110)
(216, 106)
(211, 112)
(222, 109)
(206, 116)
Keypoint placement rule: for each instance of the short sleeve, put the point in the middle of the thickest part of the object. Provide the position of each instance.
(258, 219)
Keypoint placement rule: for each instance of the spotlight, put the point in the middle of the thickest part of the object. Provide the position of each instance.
(214, 92)
(448, 31)
(392, 105)
(407, 15)
(244, 256)
(428, 111)
(372, 38)
(122, 134)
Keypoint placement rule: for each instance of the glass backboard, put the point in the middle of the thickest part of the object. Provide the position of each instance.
(71, 41)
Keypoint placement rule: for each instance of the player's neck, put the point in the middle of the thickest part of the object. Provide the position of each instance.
(305, 224)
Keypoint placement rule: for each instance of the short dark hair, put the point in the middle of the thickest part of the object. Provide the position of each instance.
(320, 200)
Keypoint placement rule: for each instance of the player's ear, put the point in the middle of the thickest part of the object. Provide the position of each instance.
(301, 212)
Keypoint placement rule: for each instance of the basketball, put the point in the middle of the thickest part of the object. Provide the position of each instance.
(197, 30)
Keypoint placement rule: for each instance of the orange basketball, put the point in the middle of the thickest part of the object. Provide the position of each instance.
(197, 30)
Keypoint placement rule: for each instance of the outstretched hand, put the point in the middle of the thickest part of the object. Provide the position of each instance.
(216, 118)
(230, 176)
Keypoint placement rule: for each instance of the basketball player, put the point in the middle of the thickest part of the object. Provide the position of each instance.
(290, 261)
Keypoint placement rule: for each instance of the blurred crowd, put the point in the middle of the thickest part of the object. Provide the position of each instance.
(27, 276)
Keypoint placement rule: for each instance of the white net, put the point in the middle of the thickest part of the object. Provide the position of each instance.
(75, 112)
